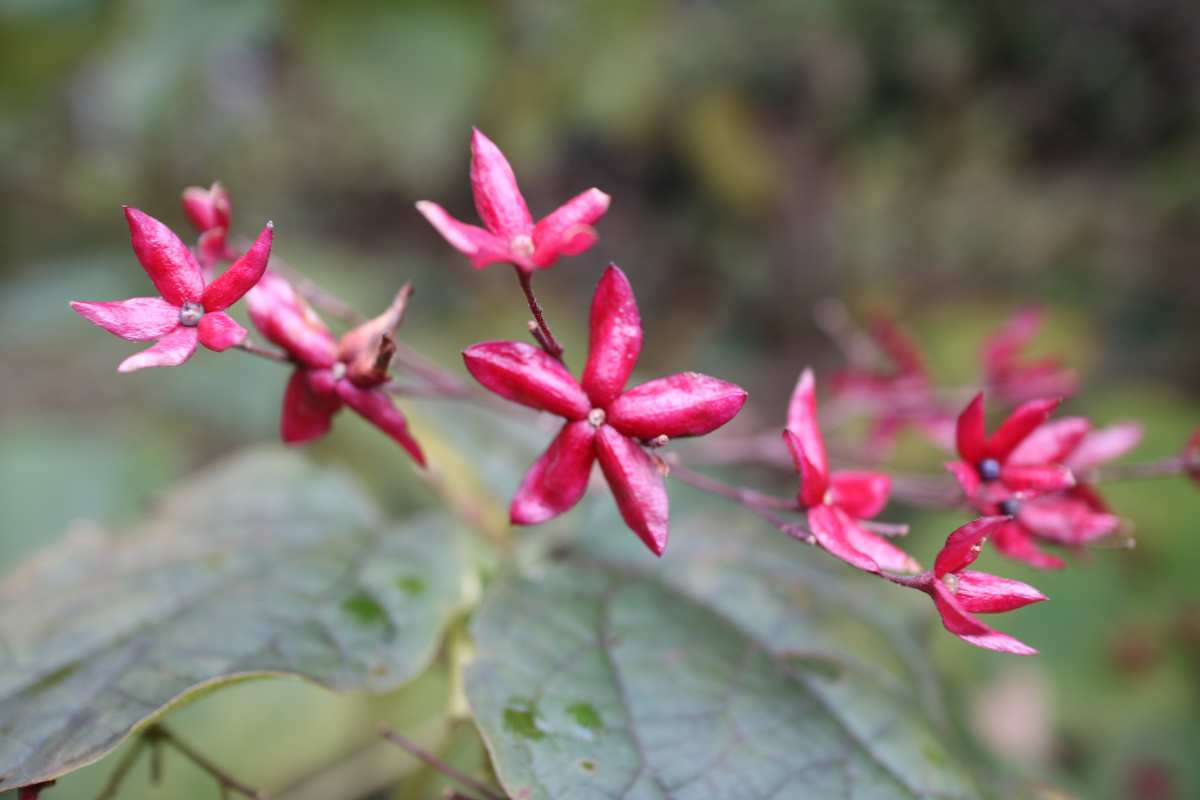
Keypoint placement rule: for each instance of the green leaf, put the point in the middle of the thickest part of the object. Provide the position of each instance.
(683, 678)
(266, 564)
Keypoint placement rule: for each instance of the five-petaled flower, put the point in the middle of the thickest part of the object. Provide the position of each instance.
(836, 501)
(329, 372)
(960, 593)
(604, 422)
(210, 213)
(511, 235)
(1015, 378)
(186, 311)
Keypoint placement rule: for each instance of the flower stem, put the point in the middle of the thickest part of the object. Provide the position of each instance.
(455, 774)
(544, 337)
(264, 352)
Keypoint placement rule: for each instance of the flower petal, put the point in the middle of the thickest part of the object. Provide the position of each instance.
(307, 412)
(219, 331)
(170, 351)
(685, 404)
(802, 421)
(1052, 442)
(1066, 519)
(637, 486)
(1036, 478)
(970, 433)
(207, 208)
(615, 338)
(966, 475)
(813, 483)
(524, 374)
(981, 593)
(558, 479)
(242, 275)
(1104, 444)
(483, 247)
(1014, 542)
(899, 347)
(1002, 347)
(862, 495)
(964, 544)
(497, 197)
(1019, 424)
(166, 259)
(286, 320)
(887, 555)
(567, 230)
(377, 407)
(138, 319)
(959, 622)
(827, 525)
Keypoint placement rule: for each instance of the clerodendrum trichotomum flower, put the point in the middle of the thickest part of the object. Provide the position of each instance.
(1013, 377)
(510, 234)
(210, 213)
(836, 501)
(959, 593)
(186, 311)
(329, 372)
(603, 421)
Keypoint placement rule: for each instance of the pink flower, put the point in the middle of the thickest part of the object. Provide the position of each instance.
(898, 397)
(836, 501)
(1015, 379)
(186, 311)
(959, 593)
(603, 421)
(330, 373)
(511, 235)
(210, 213)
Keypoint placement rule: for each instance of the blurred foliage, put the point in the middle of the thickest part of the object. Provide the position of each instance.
(941, 160)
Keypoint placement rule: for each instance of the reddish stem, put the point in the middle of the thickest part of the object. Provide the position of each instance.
(546, 338)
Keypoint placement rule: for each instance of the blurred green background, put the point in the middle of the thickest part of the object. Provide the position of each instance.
(944, 161)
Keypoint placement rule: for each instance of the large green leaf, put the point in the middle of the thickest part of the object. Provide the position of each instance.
(263, 565)
(687, 679)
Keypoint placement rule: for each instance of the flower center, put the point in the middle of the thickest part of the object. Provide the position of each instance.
(596, 417)
(1010, 507)
(190, 314)
(522, 245)
(989, 469)
(338, 371)
(951, 581)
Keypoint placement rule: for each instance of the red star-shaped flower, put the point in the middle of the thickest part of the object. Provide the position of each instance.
(959, 593)
(210, 213)
(330, 373)
(836, 501)
(1015, 378)
(510, 234)
(187, 311)
(604, 422)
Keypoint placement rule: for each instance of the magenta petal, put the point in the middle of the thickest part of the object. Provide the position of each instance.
(862, 495)
(1014, 542)
(637, 486)
(1066, 519)
(166, 259)
(558, 479)
(970, 433)
(966, 475)
(377, 407)
(1001, 347)
(207, 208)
(685, 404)
(242, 275)
(1051, 442)
(970, 630)
(497, 197)
(802, 421)
(895, 342)
(826, 524)
(525, 374)
(219, 331)
(170, 351)
(481, 246)
(307, 413)
(981, 593)
(887, 555)
(813, 482)
(286, 320)
(964, 544)
(1103, 445)
(138, 319)
(1037, 478)
(1019, 424)
(567, 230)
(615, 338)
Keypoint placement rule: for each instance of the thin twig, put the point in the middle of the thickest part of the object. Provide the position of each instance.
(264, 352)
(547, 340)
(122, 769)
(739, 494)
(227, 782)
(455, 774)
(1163, 468)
